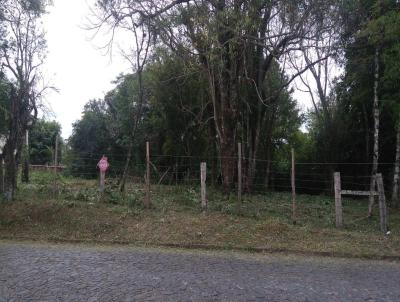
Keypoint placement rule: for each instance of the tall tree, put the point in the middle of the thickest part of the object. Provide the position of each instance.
(376, 30)
(21, 53)
(137, 56)
(4, 107)
(237, 43)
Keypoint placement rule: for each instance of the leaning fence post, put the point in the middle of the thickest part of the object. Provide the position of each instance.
(293, 189)
(147, 199)
(382, 204)
(338, 201)
(203, 176)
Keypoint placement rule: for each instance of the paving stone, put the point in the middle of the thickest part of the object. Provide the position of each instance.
(65, 273)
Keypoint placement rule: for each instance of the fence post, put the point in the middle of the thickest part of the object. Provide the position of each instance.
(382, 204)
(203, 173)
(102, 180)
(338, 201)
(55, 167)
(293, 189)
(147, 199)
(239, 175)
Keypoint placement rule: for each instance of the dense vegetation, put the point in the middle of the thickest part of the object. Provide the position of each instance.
(207, 75)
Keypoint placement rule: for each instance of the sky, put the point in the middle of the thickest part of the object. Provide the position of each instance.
(75, 65)
(78, 68)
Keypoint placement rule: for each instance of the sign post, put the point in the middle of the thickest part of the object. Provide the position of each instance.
(103, 166)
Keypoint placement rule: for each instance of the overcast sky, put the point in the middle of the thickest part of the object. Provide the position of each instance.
(77, 67)
(74, 64)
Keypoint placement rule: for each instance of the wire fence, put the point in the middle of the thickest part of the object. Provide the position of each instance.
(267, 186)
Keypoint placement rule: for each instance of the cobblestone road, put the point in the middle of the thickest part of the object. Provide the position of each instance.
(30, 272)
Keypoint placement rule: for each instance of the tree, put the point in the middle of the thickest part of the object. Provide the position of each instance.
(4, 107)
(375, 30)
(391, 78)
(237, 43)
(177, 119)
(21, 54)
(318, 80)
(137, 56)
(42, 138)
(89, 140)
(363, 100)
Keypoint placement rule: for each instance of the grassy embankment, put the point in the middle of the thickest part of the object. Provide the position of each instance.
(264, 220)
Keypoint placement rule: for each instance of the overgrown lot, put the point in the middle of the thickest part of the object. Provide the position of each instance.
(79, 213)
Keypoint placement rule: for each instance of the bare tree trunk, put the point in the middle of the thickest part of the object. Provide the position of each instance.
(395, 192)
(10, 177)
(212, 151)
(224, 99)
(367, 144)
(25, 161)
(133, 133)
(376, 134)
(11, 148)
(126, 168)
(268, 168)
(141, 52)
(228, 163)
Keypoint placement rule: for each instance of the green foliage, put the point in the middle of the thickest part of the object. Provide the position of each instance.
(42, 140)
(178, 100)
(89, 141)
(372, 25)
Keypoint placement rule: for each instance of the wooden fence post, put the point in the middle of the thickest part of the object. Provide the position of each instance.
(338, 201)
(203, 173)
(293, 189)
(147, 199)
(55, 167)
(239, 175)
(382, 204)
(102, 180)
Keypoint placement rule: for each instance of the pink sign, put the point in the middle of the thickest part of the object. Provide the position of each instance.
(103, 164)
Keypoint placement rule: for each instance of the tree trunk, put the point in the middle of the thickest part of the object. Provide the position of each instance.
(141, 52)
(367, 144)
(228, 163)
(1, 174)
(11, 148)
(269, 153)
(376, 133)
(268, 168)
(133, 132)
(212, 151)
(10, 177)
(25, 160)
(395, 192)
(126, 168)
(225, 98)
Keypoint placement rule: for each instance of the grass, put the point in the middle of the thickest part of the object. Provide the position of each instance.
(263, 221)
